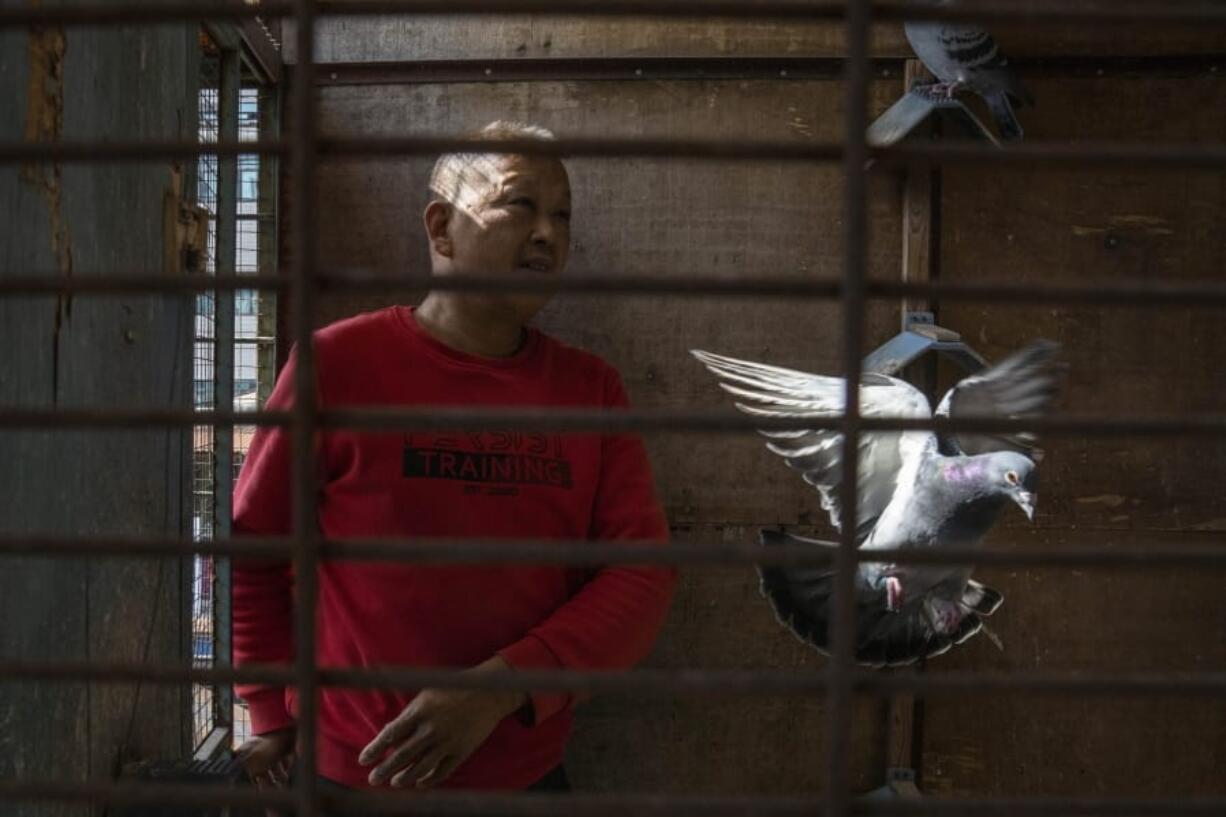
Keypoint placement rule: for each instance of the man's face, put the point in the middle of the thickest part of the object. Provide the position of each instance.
(513, 216)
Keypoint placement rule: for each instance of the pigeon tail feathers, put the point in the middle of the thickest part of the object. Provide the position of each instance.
(1006, 120)
(801, 598)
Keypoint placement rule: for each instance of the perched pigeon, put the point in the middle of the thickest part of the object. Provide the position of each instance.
(916, 489)
(966, 56)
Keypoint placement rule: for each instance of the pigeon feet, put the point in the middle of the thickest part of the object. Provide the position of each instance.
(893, 594)
(945, 616)
(940, 90)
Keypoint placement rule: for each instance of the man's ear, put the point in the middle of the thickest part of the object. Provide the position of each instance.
(437, 219)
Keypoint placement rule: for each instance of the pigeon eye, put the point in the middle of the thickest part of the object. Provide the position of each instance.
(1011, 477)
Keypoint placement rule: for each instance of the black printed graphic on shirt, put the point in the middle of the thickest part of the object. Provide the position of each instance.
(495, 458)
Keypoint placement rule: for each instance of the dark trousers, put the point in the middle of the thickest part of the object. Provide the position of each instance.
(554, 781)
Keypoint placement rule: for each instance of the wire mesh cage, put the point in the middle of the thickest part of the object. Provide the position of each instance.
(251, 287)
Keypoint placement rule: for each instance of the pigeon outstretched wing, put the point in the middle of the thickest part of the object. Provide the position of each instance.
(773, 391)
(1023, 385)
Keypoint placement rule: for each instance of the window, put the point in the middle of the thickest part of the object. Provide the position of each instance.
(253, 218)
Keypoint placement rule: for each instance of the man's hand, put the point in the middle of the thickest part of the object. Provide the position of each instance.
(269, 757)
(437, 731)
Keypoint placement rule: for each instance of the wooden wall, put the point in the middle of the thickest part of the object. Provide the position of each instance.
(689, 218)
(88, 352)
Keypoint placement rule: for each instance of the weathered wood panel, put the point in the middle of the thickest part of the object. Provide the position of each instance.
(720, 745)
(678, 219)
(1053, 226)
(645, 216)
(1056, 226)
(425, 37)
(78, 353)
(1105, 620)
(682, 218)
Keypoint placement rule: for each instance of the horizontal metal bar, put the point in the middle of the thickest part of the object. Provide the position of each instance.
(144, 793)
(523, 804)
(681, 69)
(1199, 13)
(1138, 293)
(1028, 154)
(595, 69)
(1134, 293)
(128, 151)
(254, 547)
(100, 418)
(376, 146)
(665, 683)
(54, 283)
(1045, 807)
(600, 420)
(1134, 156)
(726, 422)
(592, 553)
(1187, 11)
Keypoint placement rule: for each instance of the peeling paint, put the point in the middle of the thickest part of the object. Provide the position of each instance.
(45, 123)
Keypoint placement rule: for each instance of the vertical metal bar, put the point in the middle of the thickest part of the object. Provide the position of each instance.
(303, 423)
(223, 368)
(843, 624)
(266, 247)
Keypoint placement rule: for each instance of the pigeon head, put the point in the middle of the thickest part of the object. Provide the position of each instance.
(1014, 475)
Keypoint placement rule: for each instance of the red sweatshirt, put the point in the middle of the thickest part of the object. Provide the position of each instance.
(445, 485)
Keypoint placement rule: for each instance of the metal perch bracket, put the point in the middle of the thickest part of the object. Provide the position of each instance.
(919, 336)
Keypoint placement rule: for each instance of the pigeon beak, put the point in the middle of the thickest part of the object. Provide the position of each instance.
(1025, 501)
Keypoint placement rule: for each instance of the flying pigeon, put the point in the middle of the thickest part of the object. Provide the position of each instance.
(916, 489)
(966, 56)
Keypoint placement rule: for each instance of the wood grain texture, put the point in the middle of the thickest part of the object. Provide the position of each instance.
(682, 218)
(124, 352)
(425, 37)
(1059, 226)
(1056, 226)
(719, 745)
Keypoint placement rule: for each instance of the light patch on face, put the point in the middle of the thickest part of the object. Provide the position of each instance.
(481, 183)
(469, 184)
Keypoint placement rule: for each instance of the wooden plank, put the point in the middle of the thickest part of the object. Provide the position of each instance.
(1104, 620)
(495, 37)
(1055, 226)
(741, 746)
(679, 218)
(920, 206)
(658, 217)
(95, 353)
(42, 603)
(918, 209)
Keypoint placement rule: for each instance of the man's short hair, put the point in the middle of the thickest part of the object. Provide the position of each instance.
(459, 176)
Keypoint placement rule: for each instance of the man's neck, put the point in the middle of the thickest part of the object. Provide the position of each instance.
(465, 326)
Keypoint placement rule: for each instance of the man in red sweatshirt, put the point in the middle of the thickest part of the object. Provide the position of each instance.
(490, 214)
